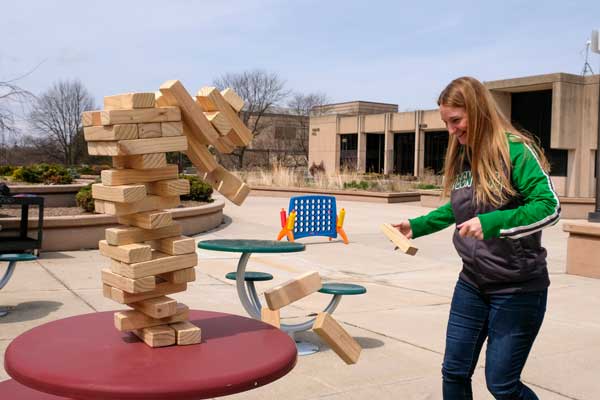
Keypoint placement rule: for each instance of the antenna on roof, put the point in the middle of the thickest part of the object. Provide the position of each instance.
(594, 45)
(587, 68)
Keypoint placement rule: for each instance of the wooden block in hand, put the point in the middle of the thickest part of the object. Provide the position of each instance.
(140, 161)
(129, 100)
(129, 253)
(147, 220)
(128, 285)
(171, 128)
(150, 202)
(132, 320)
(110, 132)
(337, 338)
(234, 100)
(119, 193)
(138, 146)
(131, 234)
(187, 333)
(140, 116)
(293, 290)
(157, 336)
(271, 317)
(401, 241)
(123, 297)
(149, 131)
(157, 307)
(179, 276)
(115, 177)
(176, 245)
(161, 263)
(169, 187)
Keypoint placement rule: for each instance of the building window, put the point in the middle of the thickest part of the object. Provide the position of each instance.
(348, 151)
(436, 144)
(285, 132)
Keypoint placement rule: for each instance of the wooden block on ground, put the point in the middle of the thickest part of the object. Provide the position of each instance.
(141, 161)
(227, 184)
(337, 338)
(120, 193)
(121, 296)
(129, 253)
(170, 187)
(114, 177)
(292, 290)
(161, 263)
(187, 333)
(198, 153)
(138, 146)
(129, 100)
(234, 100)
(141, 115)
(110, 132)
(271, 317)
(148, 131)
(179, 276)
(150, 202)
(401, 241)
(139, 285)
(242, 132)
(171, 128)
(219, 122)
(157, 307)
(91, 118)
(130, 234)
(132, 320)
(147, 220)
(157, 336)
(175, 245)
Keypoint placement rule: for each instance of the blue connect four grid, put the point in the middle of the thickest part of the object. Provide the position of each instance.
(315, 216)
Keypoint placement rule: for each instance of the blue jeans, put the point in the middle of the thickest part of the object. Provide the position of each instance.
(510, 322)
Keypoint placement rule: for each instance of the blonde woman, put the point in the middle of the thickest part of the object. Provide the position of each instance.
(501, 197)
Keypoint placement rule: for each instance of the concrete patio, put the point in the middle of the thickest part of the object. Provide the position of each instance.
(400, 322)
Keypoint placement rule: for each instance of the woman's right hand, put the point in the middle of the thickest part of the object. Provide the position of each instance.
(404, 228)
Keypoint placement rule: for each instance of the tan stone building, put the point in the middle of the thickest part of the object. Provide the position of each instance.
(560, 109)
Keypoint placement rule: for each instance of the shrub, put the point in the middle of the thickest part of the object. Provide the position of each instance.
(86, 170)
(199, 190)
(6, 170)
(362, 185)
(426, 186)
(43, 173)
(317, 169)
(84, 198)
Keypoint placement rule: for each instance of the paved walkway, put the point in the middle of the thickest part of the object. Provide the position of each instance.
(400, 322)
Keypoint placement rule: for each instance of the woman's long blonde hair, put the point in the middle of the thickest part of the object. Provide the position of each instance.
(487, 148)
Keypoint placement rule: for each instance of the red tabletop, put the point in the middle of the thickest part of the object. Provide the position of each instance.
(85, 357)
(12, 389)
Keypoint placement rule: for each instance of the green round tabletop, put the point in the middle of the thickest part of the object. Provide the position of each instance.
(342, 288)
(17, 257)
(251, 246)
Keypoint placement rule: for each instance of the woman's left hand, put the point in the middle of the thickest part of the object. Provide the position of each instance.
(471, 228)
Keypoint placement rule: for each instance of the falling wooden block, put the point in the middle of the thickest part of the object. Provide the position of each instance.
(129, 253)
(131, 320)
(128, 285)
(234, 100)
(227, 184)
(123, 297)
(401, 241)
(128, 101)
(120, 193)
(198, 153)
(170, 187)
(161, 263)
(138, 146)
(147, 220)
(157, 307)
(293, 290)
(149, 131)
(141, 161)
(114, 177)
(187, 333)
(150, 202)
(271, 317)
(140, 116)
(130, 234)
(337, 338)
(179, 276)
(110, 132)
(219, 122)
(91, 118)
(157, 336)
(171, 128)
(242, 132)
(175, 245)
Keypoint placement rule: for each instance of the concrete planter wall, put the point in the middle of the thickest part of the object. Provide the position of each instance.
(84, 231)
(54, 195)
(353, 195)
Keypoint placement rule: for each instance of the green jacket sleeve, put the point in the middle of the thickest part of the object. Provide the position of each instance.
(540, 208)
(436, 220)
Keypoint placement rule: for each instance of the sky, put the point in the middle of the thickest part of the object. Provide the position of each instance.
(384, 51)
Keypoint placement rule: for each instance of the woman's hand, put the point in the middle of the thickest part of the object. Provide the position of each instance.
(404, 228)
(471, 228)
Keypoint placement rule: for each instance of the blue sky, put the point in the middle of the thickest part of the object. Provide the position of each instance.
(388, 51)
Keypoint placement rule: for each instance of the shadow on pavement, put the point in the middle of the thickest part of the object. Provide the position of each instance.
(30, 310)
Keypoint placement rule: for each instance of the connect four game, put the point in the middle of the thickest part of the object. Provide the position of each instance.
(315, 216)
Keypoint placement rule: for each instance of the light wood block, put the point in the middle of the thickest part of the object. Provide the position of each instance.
(293, 290)
(141, 161)
(147, 220)
(148, 131)
(171, 129)
(175, 245)
(140, 116)
(114, 177)
(120, 193)
(229, 185)
(157, 307)
(138, 146)
(234, 100)
(337, 338)
(127, 235)
(121, 296)
(179, 276)
(170, 187)
(110, 132)
(150, 202)
(161, 263)
(91, 118)
(198, 153)
(271, 317)
(187, 333)
(401, 241)
(242, 132)
(219, 122)
(128, 285)
(157, 336)
(131, 320)
(129, 253)
(129, 100)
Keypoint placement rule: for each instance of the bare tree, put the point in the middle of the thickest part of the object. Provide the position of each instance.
(307, 105)
(261, 91)
(11, 96)
(57, 115)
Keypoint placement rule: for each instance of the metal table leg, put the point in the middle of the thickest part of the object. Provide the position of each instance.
(9, 271)
(251, 309)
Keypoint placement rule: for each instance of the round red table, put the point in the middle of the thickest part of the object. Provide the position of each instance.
(85, 357)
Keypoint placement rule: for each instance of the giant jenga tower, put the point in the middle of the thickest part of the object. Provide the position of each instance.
(149, 256)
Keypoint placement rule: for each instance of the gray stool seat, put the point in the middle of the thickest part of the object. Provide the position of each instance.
(342, 289)
(251, 276)
(17, 257)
